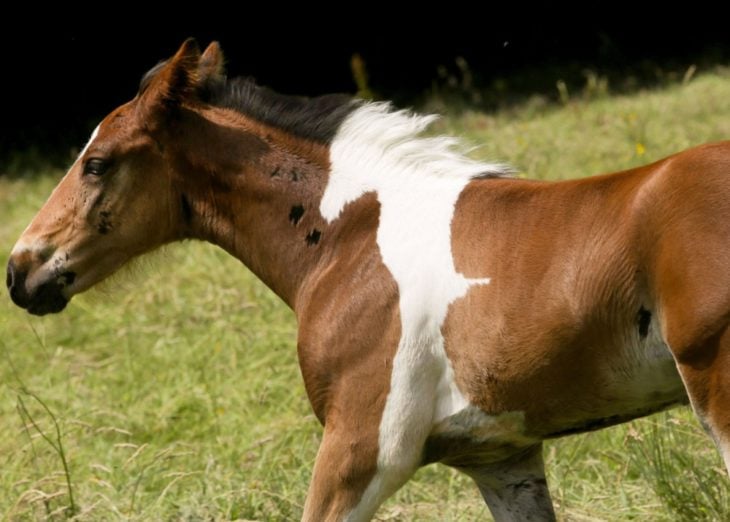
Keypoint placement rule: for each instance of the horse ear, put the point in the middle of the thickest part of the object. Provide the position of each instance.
(172, 82)
(211, 68)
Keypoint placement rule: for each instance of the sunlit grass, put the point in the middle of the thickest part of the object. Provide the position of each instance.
(178, 394)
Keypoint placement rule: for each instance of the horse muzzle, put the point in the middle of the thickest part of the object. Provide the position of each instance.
(38, 297)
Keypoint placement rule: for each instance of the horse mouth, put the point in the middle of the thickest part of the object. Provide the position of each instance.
(47, 298)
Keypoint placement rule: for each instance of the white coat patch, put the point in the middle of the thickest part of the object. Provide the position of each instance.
(94, 134)
(417, 182)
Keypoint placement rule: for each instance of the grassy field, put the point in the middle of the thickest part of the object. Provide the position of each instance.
(174, 394)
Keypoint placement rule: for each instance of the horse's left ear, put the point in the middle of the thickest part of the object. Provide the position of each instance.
(169, 84)
(211, 68)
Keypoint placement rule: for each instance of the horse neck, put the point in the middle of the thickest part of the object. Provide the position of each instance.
(254, 191)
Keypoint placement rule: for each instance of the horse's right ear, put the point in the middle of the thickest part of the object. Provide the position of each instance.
(170, 83)
(211, 68)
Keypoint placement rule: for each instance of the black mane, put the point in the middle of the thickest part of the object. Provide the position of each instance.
(315, 119)
(149, 75)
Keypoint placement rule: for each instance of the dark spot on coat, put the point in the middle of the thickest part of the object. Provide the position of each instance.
(67, 278)
(186, 209)
(160, 146)
(105, 223)
(296, 213)
(644, 320)
(295, 175)
(313, 237)
(526, 484)
(275, 172)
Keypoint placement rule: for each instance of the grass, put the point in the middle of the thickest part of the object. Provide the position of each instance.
(177, 395)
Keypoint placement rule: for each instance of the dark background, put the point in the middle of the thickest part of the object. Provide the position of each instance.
(60, 77)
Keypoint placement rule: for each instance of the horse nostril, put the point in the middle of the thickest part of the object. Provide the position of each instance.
(10, 278)
(15, 280)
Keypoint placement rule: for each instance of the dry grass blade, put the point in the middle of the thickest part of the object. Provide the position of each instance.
(56, 444)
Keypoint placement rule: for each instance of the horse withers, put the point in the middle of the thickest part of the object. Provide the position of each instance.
(447, 312)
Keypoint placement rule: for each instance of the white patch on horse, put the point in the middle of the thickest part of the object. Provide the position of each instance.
(481, 427)
(648, 374)
(94, 134)
(417, 182)
(23, 246)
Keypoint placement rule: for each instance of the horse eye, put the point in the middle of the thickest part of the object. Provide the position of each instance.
(95, 167)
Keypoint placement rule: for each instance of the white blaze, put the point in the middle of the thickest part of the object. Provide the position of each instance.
(88, 143)
(32, 245)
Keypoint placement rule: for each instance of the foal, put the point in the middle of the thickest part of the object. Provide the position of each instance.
(447, 312)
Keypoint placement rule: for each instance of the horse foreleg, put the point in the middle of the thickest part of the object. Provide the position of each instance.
(345, 464)
(347, 483)
(515, 489)
(357, 466)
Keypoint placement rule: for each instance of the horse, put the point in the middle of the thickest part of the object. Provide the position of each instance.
(447, 310)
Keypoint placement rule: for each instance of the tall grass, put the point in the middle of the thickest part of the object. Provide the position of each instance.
(177, 395)
(668, 452)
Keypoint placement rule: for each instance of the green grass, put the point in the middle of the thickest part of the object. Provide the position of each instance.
(177, 393)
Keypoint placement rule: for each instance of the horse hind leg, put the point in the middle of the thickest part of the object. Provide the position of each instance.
(515, 489)
(705, 370)
(690, 275)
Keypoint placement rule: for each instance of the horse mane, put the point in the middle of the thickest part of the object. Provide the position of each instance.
(147, 78)
(316, 119)
(396, 133)
(386, 139)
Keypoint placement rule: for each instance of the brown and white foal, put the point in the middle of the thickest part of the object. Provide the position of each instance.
(447, 313)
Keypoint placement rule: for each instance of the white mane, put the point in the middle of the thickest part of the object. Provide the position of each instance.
(375, 140)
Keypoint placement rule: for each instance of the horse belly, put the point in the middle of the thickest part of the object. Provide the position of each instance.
(634, 378)
(642, 379)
